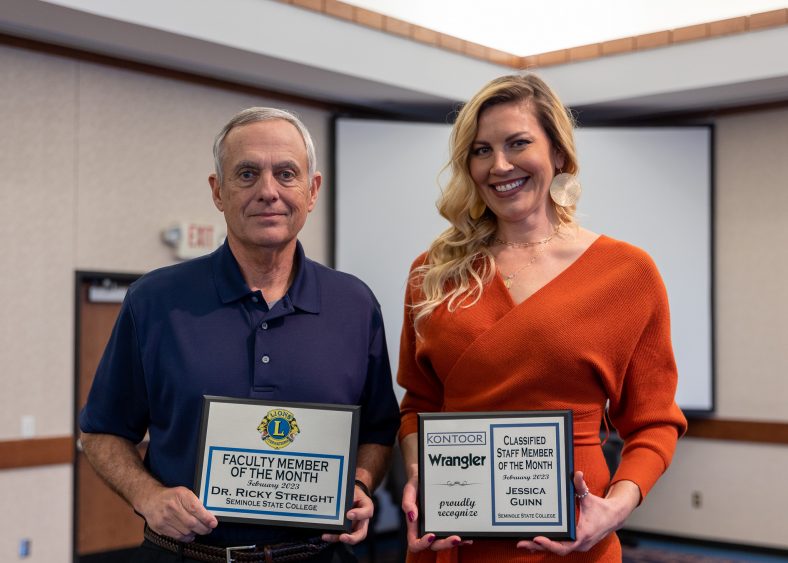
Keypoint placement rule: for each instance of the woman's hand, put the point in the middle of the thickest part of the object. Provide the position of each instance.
(429, 541)
(598, 517)
(410, 495)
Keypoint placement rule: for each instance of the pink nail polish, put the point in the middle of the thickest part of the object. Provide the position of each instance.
(431, 538)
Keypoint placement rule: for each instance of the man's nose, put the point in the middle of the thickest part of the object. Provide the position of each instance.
(267, 187)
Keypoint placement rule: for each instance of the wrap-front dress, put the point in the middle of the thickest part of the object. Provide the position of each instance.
(598, 332)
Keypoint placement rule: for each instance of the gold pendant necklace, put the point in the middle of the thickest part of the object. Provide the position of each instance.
(527, 244)
(508, 280)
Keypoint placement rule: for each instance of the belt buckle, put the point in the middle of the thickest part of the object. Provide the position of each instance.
(229, 551)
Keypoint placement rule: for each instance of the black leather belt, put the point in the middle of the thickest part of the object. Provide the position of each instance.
(275, 553)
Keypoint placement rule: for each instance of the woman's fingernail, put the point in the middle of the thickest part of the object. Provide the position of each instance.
(411, 516)
(431, 538)
(456, 542)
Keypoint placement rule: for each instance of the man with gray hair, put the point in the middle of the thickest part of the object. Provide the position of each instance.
(256, 319)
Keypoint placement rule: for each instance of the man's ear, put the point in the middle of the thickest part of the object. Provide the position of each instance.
(314, 189)
(216, 191)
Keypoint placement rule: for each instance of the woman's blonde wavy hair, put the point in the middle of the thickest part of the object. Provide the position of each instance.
(459, 263)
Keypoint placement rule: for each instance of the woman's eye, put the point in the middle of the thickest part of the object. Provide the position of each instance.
(520, 143)
(480, 151)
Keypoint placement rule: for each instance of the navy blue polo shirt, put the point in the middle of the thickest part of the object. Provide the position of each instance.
(196, 329)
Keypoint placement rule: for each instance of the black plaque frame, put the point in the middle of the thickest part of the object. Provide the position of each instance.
(348, 486)
(567, 504)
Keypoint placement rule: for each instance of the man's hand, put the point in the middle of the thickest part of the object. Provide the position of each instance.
(176, 512)
(360, 515)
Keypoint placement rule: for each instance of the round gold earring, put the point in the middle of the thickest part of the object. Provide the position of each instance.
(565, 189)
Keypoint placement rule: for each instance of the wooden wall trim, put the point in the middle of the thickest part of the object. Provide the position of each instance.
(34, 452)
(393, 26)
(738, 430)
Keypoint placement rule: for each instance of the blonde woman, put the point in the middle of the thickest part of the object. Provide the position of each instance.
(517, 307)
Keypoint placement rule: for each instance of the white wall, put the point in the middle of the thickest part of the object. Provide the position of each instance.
(740, 482)
(96, 161)
(37, 506)
(741, 498)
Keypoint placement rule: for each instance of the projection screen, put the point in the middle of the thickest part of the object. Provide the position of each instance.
(651, 187)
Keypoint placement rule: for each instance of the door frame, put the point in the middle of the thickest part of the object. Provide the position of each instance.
(82, 277)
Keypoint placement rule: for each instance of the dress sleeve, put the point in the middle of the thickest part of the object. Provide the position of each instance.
(644, 410)
(118, 400)
(423, 389)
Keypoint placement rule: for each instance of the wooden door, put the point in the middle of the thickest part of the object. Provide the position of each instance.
(103, 521)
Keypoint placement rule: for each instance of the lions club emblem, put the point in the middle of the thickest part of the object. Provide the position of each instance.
(278, 428)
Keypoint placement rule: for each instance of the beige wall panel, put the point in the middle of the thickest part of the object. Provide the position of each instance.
(752, 265)
(144, 158)
(739, 482)
(37, 506)
(37, 101)
(742, 497)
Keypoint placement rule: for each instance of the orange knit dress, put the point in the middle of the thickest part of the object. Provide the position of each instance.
(599, 331)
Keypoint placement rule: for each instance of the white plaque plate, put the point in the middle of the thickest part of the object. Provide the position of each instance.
(276, 463)
(497, 474)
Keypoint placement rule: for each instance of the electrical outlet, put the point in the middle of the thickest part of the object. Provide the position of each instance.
(24, 548)
(27, 426)
(697, 499)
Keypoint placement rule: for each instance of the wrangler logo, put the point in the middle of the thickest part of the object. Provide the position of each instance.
(462, 461)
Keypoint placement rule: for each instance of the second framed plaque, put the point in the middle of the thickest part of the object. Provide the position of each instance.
(497, 474)
(276, 463)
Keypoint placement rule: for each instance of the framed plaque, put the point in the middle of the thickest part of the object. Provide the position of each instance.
(497, 474)
(276, 463)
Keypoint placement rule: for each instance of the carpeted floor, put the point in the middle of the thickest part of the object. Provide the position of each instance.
(649, 550)
(654, 555)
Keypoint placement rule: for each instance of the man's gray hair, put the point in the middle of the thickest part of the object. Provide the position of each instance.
(253, 115)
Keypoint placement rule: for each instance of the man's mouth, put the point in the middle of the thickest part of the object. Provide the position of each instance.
(509, 186)
(267, 214)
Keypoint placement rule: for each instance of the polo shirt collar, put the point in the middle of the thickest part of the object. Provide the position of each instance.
(304, 293)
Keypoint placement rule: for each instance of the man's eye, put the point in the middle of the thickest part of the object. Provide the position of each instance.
(287, 175)
(246, 175)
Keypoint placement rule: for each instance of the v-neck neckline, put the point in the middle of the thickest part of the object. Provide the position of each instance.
(554, 280)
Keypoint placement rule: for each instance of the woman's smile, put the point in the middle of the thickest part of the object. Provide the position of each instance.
(505, 187)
